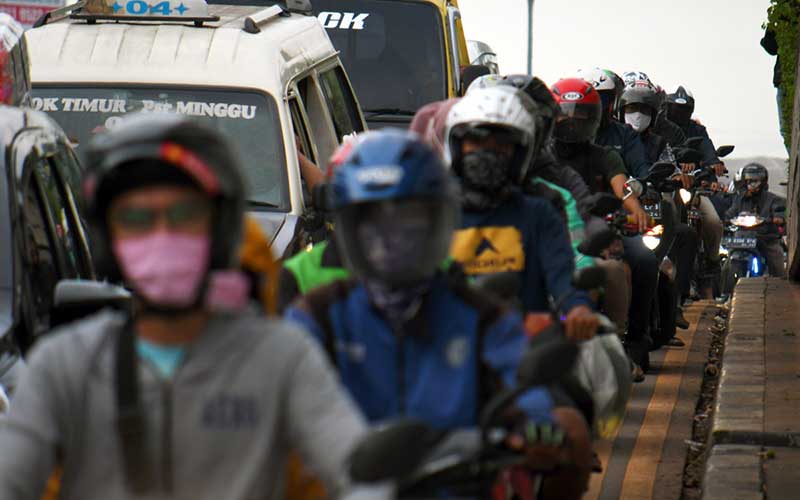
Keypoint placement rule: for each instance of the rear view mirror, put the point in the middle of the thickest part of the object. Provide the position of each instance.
(589, 278)
(724, 151)
(548, 358)
(694, 142)
(392, 451)
(471, 73)
(660, 171)
(603, 204)
(75, 299)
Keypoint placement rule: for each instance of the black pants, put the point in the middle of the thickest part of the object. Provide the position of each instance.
(772, 251)
(644, 278)
(682, 254)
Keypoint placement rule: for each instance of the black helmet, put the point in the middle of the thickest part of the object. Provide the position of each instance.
(547, 107)
(642, 95)
(148, 149)
(755, 173)
(680, 106)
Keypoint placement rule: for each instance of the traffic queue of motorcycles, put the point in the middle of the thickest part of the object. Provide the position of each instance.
(608, 176)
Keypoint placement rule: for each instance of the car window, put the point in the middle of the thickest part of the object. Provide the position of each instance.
(341, 103)
(318, 120)
(300, 130)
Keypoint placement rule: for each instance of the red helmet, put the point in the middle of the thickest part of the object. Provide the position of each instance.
(580, 110)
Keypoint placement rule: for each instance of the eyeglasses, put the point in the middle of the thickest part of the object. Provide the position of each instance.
(179, 215)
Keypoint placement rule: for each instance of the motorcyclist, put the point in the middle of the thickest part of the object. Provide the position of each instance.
(660, 125)
(603, 171)
(577, 199)
(756, 199)
(680, 107)
(490, 142)
(638, 108)
(407, 337)
(134, 404)
(611, 133)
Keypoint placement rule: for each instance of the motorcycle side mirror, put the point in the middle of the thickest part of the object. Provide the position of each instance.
(505, 286)
(393, 450)
(694, 142)
(471, 73)
(75, 299)
(724, 151)
(549, 357)
(589, 278)
(660, 171)
(595, 243)
(603, 203)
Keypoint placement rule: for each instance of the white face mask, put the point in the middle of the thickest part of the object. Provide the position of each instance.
(639, 121)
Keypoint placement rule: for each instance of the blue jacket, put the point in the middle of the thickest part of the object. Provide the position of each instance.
(524, 235)
(438, 369)
(627, 143)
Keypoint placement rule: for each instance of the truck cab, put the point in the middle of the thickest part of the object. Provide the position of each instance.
(267, 78)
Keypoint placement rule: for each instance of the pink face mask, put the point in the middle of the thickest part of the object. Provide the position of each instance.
(165, 268)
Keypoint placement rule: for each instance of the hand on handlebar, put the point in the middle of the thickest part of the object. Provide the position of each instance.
(641, 218)
(687, 167)
(719, 168)
(581, 324)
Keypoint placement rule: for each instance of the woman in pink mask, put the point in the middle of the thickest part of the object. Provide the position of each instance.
(193, 394)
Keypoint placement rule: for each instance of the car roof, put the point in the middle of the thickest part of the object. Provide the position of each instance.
(217, 54)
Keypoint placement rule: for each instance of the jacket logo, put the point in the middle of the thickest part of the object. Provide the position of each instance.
(227, 412)
(457, 352)
(487, 250)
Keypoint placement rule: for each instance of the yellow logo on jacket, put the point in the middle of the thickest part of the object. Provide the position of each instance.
(490, 249)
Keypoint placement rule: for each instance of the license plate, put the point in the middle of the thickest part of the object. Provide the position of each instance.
(653, 210)
(739, 242)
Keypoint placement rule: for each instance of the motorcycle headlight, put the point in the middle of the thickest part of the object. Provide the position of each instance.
(655, 231)
(686, 196)
(651, 242)
(723, 251)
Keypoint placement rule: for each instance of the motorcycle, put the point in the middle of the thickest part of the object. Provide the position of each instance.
(423, 462)
(739, 248)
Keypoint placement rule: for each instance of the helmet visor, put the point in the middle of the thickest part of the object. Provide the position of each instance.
(680, 114)
(575, 130)
(398, 242)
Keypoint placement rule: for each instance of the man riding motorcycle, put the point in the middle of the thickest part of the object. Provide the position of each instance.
(490, 143)
(603, 171)
(611, 133)
(638, 107)
(407, 337)
(679, 109)
(135, 404)
(756, 199)
(660, 125)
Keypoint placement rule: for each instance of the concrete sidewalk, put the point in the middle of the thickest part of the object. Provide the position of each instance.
(755, 440)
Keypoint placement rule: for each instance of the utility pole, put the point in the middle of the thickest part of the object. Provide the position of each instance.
(530, 37)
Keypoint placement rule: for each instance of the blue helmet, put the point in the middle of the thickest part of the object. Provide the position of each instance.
(395, 207)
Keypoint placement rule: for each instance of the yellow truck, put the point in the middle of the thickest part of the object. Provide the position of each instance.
(400, 54)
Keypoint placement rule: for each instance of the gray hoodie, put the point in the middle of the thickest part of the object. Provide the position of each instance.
(248, 390)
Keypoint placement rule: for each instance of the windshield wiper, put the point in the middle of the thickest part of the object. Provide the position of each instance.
(389, 111)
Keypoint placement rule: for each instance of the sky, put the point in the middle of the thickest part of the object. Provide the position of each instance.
(709, 46)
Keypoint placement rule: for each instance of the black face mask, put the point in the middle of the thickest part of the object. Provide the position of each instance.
(681, 115)
(486, 179)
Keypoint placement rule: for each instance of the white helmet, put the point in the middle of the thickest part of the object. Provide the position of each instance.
(499, 107)
(599, 79)
(637, 79)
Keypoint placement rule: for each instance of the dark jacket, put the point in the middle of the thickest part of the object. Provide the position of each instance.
(765, 204)
(548, 168)
(626, 142)
(669, 130)
(524, 235)
(770, 44)
(654, 145)
(694, 129)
